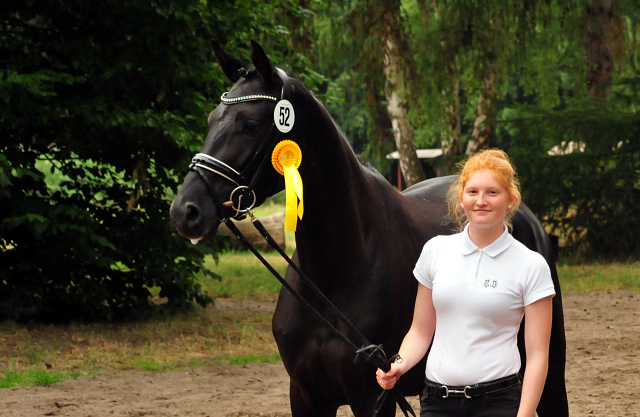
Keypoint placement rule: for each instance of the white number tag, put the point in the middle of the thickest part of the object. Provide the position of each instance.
(283, 116)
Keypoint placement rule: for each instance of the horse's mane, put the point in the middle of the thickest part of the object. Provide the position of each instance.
(366, 165)
(251, 72)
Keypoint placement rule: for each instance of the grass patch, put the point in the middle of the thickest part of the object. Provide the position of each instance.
(246, 360)
(243, 275)
(38, 378)
(239, 360)
(270, 206)
(610, 277)
(195, 337)
(147, 365)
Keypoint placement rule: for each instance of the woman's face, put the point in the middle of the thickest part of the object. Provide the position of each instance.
(485, 201)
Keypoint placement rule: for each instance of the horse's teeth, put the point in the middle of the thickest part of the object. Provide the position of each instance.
(195, 241)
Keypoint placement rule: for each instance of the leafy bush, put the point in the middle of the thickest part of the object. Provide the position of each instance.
(102, 104)
(588, 198)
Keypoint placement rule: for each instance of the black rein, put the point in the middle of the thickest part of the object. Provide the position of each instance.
(373, 354)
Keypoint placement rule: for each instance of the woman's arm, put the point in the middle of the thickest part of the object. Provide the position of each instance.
(537, 333)
(417, 340)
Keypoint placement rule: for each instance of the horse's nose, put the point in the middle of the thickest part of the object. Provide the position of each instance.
(186, 216)
(192, 214)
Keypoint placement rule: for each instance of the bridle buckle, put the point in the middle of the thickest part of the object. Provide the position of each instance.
(241, 212)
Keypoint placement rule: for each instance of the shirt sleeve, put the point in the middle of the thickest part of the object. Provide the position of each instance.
(422, 270)
(537, 280)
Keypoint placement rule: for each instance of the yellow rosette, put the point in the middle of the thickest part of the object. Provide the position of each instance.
(286, 159)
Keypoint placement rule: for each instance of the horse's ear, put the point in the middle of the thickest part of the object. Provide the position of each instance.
(262, 62)
(230, 64)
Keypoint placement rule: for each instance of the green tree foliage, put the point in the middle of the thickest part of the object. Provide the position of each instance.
(586, 194)
(533, 60)
(102, 104)
(347, 49)
(587, 198)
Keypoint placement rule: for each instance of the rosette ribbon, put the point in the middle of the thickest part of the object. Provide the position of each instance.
(286, 159)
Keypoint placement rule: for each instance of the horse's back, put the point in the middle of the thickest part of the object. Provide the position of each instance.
(428, 189)
(427, 203)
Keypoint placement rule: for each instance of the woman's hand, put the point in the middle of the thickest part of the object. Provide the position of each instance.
(387, 380)
(415, 343)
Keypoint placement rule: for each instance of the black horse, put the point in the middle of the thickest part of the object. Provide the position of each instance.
(358, 240)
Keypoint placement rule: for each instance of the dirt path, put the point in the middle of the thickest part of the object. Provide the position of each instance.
(603, 377)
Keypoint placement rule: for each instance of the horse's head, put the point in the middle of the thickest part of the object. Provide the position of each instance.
(233, 172)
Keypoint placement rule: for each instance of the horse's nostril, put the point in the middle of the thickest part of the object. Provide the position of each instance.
(192, 212)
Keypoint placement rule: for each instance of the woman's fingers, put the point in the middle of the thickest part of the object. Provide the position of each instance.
(386, 380)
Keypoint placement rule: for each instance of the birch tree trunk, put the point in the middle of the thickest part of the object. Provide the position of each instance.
(395, 49)
(380, 133)
(485, 110)
(599, 51)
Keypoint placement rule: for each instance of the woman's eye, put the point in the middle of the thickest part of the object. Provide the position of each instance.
(251, 126)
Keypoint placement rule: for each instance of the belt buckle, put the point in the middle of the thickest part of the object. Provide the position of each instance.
(448, 391)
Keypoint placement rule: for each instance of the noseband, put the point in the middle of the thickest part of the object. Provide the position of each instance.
(243, 197)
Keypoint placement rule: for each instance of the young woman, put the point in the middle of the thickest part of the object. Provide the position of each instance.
(474, 288)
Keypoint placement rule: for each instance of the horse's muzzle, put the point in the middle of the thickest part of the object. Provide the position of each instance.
(189, 219)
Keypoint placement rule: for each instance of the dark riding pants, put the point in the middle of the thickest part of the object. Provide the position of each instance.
(503, 403)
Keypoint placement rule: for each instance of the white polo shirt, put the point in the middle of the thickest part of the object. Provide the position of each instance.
(479, 296)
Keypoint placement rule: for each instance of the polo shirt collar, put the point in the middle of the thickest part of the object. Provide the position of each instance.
(496, 248)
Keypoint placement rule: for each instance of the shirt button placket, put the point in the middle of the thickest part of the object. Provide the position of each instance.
(473, 272)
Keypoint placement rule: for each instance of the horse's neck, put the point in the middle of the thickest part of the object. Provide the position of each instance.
(343, 200)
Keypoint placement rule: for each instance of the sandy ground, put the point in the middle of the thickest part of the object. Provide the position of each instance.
(603, 377)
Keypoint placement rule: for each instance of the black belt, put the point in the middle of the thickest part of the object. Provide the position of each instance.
(470, 391)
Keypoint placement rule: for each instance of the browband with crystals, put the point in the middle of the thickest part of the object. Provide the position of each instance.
(252, 97)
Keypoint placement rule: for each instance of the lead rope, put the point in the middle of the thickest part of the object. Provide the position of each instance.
(375, 355)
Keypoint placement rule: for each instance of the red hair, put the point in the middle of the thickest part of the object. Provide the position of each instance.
(503, 171)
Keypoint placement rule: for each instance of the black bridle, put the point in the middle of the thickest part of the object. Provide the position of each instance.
(243, 197)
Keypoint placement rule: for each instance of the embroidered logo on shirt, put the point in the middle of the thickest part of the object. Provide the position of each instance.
(488, 284)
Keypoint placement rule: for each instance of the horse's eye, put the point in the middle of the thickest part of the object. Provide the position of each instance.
(251, 126)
